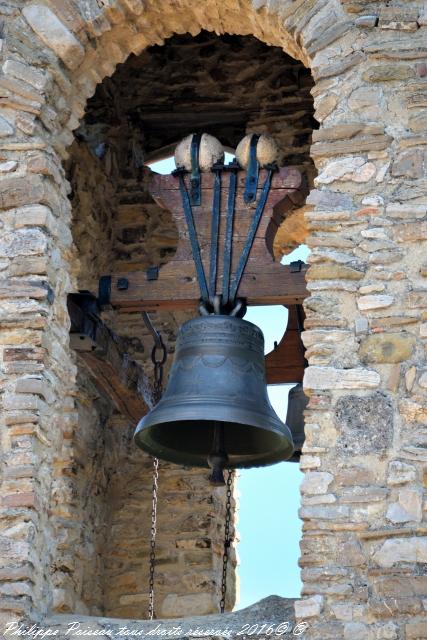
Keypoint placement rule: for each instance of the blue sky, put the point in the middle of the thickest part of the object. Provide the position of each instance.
(268, 526)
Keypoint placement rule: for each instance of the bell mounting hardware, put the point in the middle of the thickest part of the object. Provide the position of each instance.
(215, 411)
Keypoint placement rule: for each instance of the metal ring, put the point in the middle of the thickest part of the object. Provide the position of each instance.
(164, 354)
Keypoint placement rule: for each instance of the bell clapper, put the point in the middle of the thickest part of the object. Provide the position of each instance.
(217, 459)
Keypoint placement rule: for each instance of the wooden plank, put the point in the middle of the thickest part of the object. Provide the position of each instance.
(176, 288)
(286, 363)
(117, 376)
(264, 281)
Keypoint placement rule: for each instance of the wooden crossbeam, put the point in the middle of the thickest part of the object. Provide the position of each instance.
(117, 376)
(174, 285)
(286, 363)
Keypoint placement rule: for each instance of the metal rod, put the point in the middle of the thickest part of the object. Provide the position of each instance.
(251, 184)
(156, 336)
(195, 247)
(195, 192)
(251, 235)
(229, 237)
(216, 208)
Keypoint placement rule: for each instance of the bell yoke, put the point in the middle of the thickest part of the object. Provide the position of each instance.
(215, 411)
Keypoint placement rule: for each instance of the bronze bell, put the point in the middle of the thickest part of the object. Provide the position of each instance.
(297, 402)
(215, 411)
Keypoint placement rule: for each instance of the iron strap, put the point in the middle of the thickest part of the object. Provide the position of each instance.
(229, 237)
(251, 235)
(251, 183)
(227, 539)
(216, 208)
(195, 190)
(195, 248)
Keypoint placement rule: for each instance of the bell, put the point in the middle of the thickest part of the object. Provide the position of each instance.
(215, 411)
(297, 402)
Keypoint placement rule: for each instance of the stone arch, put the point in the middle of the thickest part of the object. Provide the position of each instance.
(91, 39)
(47, 79)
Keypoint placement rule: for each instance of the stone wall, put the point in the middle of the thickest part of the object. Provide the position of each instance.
(364, 539)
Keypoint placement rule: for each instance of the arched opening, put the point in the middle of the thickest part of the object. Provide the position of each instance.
(228, 86)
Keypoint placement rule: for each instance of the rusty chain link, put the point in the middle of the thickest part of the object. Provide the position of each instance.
(158, 363)
(228, 538)
(151, 613)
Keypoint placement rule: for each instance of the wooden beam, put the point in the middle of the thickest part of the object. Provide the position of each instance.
(117, 376)
(286, 363)
(264, 282)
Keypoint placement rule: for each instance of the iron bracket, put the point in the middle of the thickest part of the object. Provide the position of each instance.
(104, 292)
(296, 266)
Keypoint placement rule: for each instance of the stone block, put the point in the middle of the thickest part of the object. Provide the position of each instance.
(396, 550)
(309, 462)
(333, 272)
(366, 101)
(413, 411)
(409, 164)
(388, 72)
(361, 326)
(309, 607)
(25, 242)
(330, 512)
(35, 385)
(17, 401)
(406, 210)
(175, 606)
(34, 216)
(416, 630)
(352, 168)
(24, 72)
(364, 424)
(387, 348)
(366, 22)
(356, 495)
(8, 167)
(418, 122)
(356, 631)
(329, 200)
(6, 129)
(398, 18)
(54, 34)
(315, 483)
(422, 381)
(410, 232)
(381, 301)
(318, 378)
(18, 191)
(325, 106)
(417, 299)
(400, 472)
(24, 499)
(409, 507)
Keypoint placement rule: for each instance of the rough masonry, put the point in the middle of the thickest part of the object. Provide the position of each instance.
(364, 544)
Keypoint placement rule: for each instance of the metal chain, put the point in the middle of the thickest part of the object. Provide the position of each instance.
(158, 363)
(151, 614)
(228, 538)
(158, 369)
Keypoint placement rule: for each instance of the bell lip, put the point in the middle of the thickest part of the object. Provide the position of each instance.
(266, 459)
(197, 460)
(219, 412)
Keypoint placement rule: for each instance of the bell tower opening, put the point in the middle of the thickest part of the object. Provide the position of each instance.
(227, 86)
